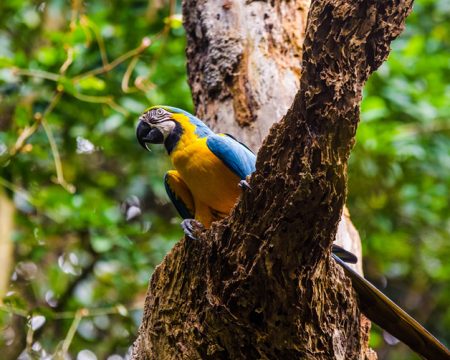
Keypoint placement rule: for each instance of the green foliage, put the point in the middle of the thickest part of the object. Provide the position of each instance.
(74, 246)
(76, 78)
(399, 186)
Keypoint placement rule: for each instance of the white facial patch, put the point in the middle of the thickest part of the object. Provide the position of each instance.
(166, 127)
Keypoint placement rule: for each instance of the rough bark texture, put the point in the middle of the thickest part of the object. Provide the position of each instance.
(244, 62)
(244, 66)
(261, 283)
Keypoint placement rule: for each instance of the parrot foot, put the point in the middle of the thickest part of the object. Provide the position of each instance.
(190, 227)
(244, 185)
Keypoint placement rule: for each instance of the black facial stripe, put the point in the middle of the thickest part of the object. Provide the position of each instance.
(173, 138)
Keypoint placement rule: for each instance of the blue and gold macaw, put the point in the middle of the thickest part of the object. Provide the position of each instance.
(208, 166)
(210, 169)
(210, 173)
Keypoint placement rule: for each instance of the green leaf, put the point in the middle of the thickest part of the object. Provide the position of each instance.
(92, 83)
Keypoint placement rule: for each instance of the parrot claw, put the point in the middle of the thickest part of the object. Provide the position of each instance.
(191, 226)
(244, 185)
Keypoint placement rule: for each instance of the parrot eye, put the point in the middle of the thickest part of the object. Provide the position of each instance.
(157, 115)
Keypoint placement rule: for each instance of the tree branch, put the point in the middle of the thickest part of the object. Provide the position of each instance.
(262, 278)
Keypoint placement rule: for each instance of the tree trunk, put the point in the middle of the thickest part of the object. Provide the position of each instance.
(244, 66)
(261, 283)
(244, 62)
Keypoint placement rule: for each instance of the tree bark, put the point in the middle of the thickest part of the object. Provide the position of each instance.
(261, 284)
(244, 62)
(244, 66)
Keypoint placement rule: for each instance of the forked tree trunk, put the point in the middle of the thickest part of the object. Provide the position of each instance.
(261, 283)
(244, 66)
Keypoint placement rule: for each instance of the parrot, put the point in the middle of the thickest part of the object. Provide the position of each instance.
(211, 171)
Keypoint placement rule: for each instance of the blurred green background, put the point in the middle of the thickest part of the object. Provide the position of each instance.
(90, 218)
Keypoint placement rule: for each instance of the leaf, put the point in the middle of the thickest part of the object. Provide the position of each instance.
(92, 83)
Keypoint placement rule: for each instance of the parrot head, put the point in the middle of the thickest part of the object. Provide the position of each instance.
(155, 126)
(165, 125)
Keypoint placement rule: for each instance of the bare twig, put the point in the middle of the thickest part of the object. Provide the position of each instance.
(146, 42)
(68, 61)
(108, 100)
(76, 9)
(64, 315)
(28, 131)
(90, 25)
(36, 73)
(127, 75)
(71, 333)
(16, 189)
(57, 159)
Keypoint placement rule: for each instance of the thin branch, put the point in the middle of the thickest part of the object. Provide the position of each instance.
(57, 159)
(86, 23)
(17, 190)
(143, 84)
(29, 338)
(68, 61)
(41, 74)
(146, 42)
(76, 9)
(87, 33)
(28, 131)
(126, 77)
(64, 315)
(71, 333)
(108, 100)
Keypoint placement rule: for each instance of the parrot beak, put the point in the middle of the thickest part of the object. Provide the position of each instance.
(147, 135)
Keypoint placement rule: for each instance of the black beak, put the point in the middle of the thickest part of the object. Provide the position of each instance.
(146, 134)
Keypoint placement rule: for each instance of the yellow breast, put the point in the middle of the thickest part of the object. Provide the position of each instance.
(207, 177)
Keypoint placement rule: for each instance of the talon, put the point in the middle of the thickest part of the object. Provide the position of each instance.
(244, 185)
(190, 226)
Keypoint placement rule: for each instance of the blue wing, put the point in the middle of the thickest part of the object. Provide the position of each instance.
(236, 156)
(179, 194)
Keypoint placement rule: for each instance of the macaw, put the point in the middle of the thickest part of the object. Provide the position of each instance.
(208, 166)
(210, 169)
(210, 173)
